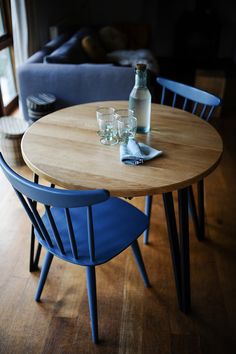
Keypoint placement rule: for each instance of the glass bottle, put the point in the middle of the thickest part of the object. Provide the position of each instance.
(140, 99)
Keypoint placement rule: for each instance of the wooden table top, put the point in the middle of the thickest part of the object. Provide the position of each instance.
(64, 148)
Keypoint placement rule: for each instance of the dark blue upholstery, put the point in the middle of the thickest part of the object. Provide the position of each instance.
(82, 227)
(75, 84)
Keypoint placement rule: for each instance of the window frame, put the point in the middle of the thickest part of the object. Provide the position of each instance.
(6, 41)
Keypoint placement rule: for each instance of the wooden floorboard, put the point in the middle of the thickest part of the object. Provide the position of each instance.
(132, 319)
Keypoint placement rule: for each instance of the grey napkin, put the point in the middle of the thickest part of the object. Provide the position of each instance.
(134, 153)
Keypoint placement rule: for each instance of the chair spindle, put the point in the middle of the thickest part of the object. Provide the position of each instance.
(54, 229)
(163, 95)
(185, 104)
(174, 100)
(29, 213)
(71, 233)
(210, 113)
(203, 111)
(40, 223)
(90, 234)
(195, 107)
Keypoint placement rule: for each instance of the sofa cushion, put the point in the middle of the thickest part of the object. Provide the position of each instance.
(58, 41)
(93, 48)
(38, 57)
(112, 38)
(70, 52)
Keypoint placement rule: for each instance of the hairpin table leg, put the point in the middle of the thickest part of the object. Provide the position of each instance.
(173, 240)
(184, 248)
(179, 246)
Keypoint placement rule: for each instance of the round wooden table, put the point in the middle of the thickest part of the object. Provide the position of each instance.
(64, 148)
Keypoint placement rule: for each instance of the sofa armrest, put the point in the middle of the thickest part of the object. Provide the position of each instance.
(75, 84)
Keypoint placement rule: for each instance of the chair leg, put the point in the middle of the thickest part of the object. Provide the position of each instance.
(43, 275)
(140, 263)
(201, 211)
(92, 298)
(148, 210)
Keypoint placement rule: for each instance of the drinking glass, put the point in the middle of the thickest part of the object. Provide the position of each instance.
(100, 111)
(127, 127)
(107, 124)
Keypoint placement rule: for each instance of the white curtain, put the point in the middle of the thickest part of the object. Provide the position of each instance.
(20, 35)
(20, 31)
(22, 12)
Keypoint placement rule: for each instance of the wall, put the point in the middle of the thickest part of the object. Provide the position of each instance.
(42, 14)
(227, 15)
(162, 16)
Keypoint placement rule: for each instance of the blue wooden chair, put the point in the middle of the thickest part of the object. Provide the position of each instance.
(197, 102)
(87, 228)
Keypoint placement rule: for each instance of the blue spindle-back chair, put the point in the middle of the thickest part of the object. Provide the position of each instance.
(87, 228)
(197, 102)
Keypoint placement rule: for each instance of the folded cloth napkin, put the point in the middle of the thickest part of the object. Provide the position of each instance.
(134, 153)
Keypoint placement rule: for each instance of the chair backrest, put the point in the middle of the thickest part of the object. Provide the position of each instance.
(193, 100)
(29, 193)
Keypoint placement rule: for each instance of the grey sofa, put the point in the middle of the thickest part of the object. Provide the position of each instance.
(62, 69)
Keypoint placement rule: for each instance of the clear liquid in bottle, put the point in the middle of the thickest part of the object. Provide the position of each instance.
(140, 100)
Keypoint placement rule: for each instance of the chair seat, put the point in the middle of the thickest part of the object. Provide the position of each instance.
(116, 225)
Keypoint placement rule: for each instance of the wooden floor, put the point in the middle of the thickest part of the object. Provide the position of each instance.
(132, 319)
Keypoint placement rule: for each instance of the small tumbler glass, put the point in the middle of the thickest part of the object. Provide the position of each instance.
(100, 111)
(127, 127)
(107, 124)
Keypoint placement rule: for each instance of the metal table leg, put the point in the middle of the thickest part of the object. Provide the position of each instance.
(184, 248)
(179, 246)
(174, 243)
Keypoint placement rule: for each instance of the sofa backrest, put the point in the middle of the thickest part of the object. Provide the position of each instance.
(75, 84)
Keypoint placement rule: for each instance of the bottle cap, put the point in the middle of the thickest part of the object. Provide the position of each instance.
(141, 66)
